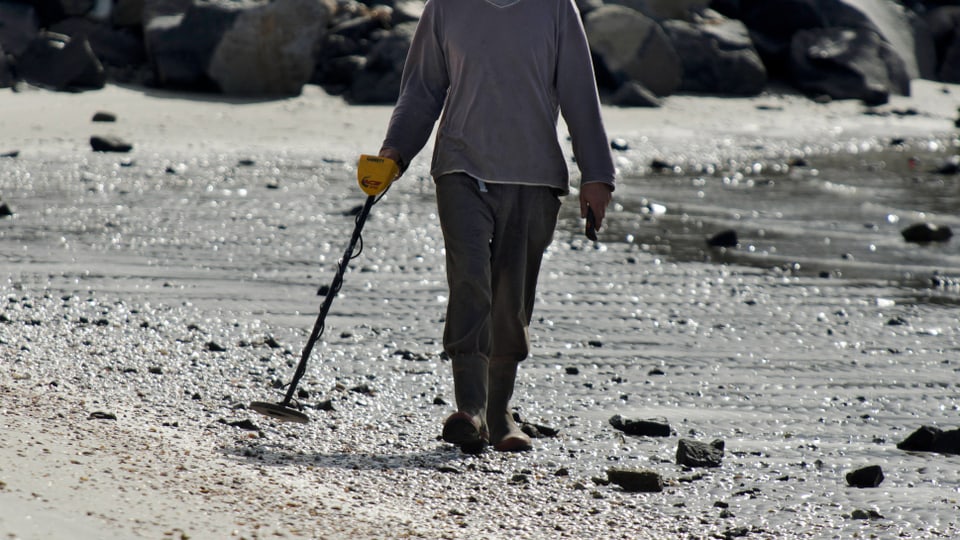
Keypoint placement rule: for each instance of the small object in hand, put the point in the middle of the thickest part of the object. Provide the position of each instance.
(591, 227)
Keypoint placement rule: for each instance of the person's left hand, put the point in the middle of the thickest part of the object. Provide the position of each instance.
(596, 196)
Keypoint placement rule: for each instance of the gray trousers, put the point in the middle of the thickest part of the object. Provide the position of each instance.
(495, 236)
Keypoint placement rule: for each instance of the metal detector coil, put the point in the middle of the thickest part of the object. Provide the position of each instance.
(374, 174)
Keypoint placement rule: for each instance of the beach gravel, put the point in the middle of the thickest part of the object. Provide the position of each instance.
(145, 305)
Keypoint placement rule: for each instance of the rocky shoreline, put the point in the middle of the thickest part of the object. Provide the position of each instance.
(644, 50)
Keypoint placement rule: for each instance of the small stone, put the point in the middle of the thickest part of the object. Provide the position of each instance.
(865, 514)
(572, 370)
(726, 238)
(439, 401)
(213, 346)
(100, 415)
(866, 477)
(363, 389)
(103, 116)
(156, 370)
(5, 210)
(325, 405)
(247, 425)
(107, 143)
(10, 154)
(636, 480)
(652, 427)
(692, 453)
(922, 233)
(619, 144)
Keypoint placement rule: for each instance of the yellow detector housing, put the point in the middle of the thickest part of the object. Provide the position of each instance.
(375, 174)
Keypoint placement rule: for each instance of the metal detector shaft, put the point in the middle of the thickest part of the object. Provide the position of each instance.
(328, 301)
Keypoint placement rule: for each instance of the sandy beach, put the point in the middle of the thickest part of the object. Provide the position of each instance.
(149, 297)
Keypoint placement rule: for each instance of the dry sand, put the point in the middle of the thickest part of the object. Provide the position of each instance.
(117, 279)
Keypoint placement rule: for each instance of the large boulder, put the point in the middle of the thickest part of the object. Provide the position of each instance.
(718, 57)
(55, 61)
(664, 9)
(269, 50)
(848, 64)
(19, 24)
(179, 45)
(944, 24)
(118, 47)
(379, 80)
(127, 13)
(773, 25)
(635, 47)
(6, 71)
(904, 30)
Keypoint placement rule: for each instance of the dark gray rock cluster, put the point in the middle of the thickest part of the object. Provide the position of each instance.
(644, 50)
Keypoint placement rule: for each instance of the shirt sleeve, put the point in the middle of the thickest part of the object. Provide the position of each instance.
(423, 89)
(579, 100)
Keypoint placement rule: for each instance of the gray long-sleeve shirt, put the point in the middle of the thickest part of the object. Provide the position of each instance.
(500, 71)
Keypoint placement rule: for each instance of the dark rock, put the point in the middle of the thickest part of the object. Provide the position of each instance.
(363, 389)
(107, 143)
(325, 405)
(379, 80)
(247, 425)
(634, 94)
(19, 24)
(572, 370)
(127, 13)
(921, 440)
(866, 477)
(100, 415)
(269, 49)
(865, 514)
(944, 24)
(772, 26)
(5, 210)
(847, 63)
(932, 439)
(636, 480)
(652, 427)
(635, 47)
(179, 44)
(922, 233)
(692, 453)
(718, 57)
(112, 46)
(406, 11)
(619, 144)
(101, 116)
(55, 61)
(535, 431)
(724, 239)
(7, 77)
(950, 166)
(213, 346)
(156, 370)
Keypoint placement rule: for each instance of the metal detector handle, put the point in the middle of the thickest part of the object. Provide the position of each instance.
(328, 301)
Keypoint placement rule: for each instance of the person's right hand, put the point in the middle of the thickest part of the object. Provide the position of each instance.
(390, 153)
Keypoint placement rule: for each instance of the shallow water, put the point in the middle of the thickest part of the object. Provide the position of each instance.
(836, 215)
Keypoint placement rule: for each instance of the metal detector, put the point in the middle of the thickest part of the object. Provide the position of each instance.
(374, 174)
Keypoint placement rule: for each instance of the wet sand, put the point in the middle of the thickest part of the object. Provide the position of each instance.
(149, 297)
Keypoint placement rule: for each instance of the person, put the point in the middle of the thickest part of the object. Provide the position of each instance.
(499, 71)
